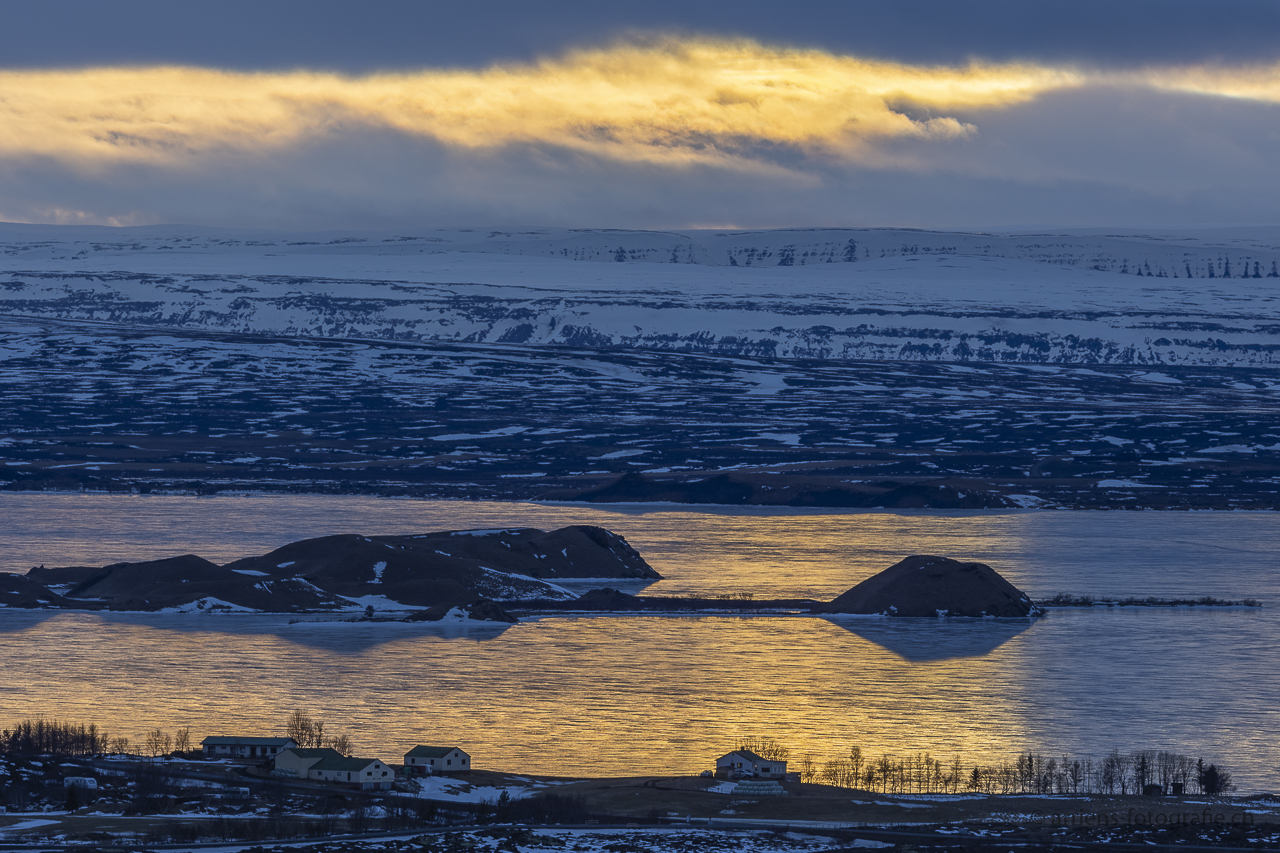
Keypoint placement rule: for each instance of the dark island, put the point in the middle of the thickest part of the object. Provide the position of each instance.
(920, 585)
(923, 585)
(346, 572)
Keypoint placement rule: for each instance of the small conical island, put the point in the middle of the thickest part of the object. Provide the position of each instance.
(923, 585)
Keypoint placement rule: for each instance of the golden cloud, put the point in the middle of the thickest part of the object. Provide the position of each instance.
(1254, 83)
(668, 102)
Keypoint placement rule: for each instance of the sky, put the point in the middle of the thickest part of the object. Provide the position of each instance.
(383, 114)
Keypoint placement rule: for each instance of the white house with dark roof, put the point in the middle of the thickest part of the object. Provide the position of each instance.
(744, 762)
(430, 760)
(366, 774)
(245, 747)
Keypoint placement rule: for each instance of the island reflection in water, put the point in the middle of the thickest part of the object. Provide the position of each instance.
(638, 695)
(923, 640)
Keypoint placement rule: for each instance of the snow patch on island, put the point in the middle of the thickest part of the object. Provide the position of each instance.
(377, 602)
(208, 605)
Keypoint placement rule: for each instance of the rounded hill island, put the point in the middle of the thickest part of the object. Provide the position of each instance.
(924, 585)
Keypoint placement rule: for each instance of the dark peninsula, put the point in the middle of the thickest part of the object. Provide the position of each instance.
(919, 585)
(345, 572)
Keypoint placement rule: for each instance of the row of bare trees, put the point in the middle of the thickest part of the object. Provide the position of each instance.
(1028, 773)
(309, 732)
(53, 737)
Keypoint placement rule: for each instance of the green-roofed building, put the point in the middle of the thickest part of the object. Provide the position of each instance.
(430, 760)
(367, 774)
(329, 765)
(296, 762)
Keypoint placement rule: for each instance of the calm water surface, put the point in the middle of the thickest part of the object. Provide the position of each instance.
(609, 696)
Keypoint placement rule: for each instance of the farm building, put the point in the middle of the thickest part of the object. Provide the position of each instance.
(429, 760)
(297, 761)
(367, 774)
(245, 747)
(744, 762)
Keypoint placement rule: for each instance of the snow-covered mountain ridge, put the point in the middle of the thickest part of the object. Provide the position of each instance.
(857, 294)
(1212, 253)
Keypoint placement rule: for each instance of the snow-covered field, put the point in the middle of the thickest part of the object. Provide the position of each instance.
(478, 363)
(883, 294)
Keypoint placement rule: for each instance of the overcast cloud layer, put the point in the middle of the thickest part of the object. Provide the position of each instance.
(999, 126)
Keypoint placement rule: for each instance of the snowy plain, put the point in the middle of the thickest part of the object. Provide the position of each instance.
(1178, 298)
(1081, 369)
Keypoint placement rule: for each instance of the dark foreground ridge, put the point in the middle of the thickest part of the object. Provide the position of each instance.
(434, 570)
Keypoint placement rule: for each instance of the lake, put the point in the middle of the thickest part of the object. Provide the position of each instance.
(653, 695)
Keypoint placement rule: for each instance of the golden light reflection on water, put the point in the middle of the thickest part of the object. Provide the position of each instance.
(570, 696)
(655, 695)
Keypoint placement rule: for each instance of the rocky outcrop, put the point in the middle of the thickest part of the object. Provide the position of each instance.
(21, 591)
(180, 582)
(635, 487)
(482, 610)
(447, 569)
(934, 586)
(607, 600)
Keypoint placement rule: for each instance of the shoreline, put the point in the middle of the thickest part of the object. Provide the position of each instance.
(633, 506)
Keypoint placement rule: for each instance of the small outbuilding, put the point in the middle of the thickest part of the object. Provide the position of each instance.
(245, 747)
(744, 762)
(430, 760)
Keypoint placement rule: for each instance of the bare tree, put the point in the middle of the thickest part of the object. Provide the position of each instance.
(303, 729)
(182, 740)
(1140, 761)
(1076, 775)
(342, 743)
(1123, 766)
(765, 747)
(856, 763)
(884, 769)
(1184, 768)
(157, 742)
